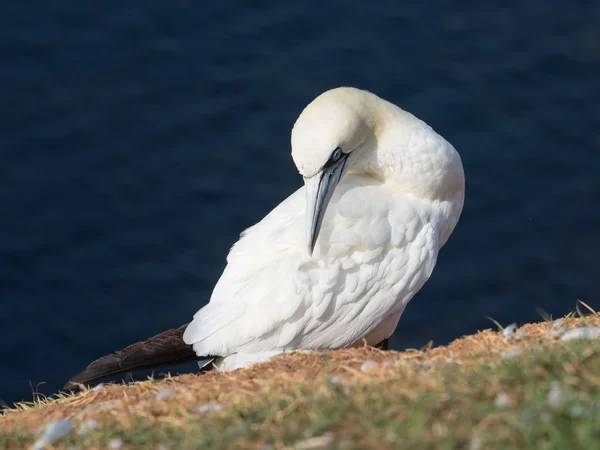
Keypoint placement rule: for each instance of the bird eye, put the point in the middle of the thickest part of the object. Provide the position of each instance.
(337, 153)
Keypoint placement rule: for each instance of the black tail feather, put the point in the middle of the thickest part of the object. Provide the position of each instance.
(164, 349)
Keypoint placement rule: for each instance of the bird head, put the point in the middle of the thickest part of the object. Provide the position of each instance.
(325, 139)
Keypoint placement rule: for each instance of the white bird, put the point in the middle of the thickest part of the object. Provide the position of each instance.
(337, 262)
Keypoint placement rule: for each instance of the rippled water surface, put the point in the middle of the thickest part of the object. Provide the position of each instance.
(139, 138)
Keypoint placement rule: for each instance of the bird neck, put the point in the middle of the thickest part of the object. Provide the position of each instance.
(408, 154)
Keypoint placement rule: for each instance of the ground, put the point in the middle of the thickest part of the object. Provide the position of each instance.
(529, 388)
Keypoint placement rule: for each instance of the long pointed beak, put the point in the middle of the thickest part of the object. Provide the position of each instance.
(319, 189)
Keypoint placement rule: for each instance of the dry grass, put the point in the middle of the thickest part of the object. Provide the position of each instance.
(281, 375)
(284, 379)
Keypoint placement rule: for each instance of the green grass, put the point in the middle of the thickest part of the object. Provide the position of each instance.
(439, 408)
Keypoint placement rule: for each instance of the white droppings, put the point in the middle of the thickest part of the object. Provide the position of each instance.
(475, 443)
(88, 426)
(577, 411)
(115, 444)
(55, 431)
(367, 365)
(514, 352)
(588, 332)
(98, 387)
(316, 442)
(555, 332)
(557, 329)
(164, 394)
(502, 400)
(336, 379)
(209, 407)
(556, 396)
(509, 331)
(426, 365)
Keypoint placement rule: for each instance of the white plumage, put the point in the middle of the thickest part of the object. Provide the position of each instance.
(399, 197)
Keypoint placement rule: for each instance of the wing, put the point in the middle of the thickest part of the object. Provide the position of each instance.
(375, 250)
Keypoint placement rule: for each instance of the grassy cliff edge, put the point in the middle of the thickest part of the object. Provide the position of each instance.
(533, 387)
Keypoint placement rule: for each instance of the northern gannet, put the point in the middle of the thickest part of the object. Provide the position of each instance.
(336, 263)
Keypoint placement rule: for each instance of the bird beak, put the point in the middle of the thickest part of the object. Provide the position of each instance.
(319, 189)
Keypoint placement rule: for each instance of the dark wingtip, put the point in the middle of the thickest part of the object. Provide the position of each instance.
(71, 384)
(101, 368)
(163, 350)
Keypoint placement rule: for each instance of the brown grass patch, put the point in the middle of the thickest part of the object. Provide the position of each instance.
(277, 379)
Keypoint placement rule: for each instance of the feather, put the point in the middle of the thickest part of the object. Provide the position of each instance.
(164, 349)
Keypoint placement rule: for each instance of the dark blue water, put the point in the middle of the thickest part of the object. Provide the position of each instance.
(139, 138)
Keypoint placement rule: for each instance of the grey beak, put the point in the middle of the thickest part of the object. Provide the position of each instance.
(319, 189)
